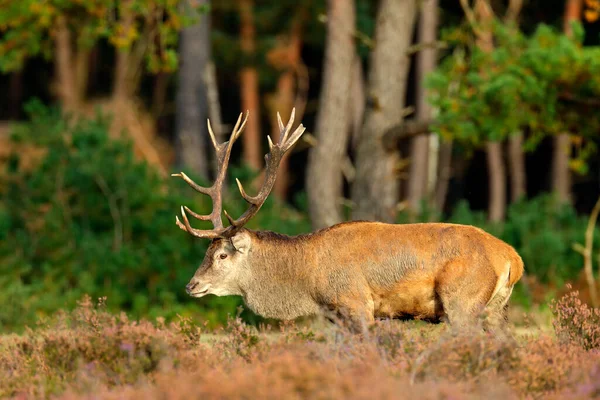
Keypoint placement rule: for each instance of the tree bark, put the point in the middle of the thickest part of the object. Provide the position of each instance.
(497, 182)
(82, 70)
(444, 174)
(495, 164)
(65, 73)
(15, 95)
(561, 176)
(192, 98)
(324, 183)
(128, 62)
(375, 189)
(284, 102)
(357, 101)
(517, 168)
(214, 111)
(426, 61)
(249, 89)
(518, 174)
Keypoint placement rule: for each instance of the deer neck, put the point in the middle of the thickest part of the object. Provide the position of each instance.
(275, 283)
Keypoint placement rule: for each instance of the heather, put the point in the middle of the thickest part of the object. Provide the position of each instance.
(91, 353)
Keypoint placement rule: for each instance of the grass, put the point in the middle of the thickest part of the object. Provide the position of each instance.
(90, 353)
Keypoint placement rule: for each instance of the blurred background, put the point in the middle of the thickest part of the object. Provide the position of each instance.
(483, 112)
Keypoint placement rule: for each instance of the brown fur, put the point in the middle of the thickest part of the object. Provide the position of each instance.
(365, 270)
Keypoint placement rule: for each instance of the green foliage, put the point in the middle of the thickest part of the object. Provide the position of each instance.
(88, 218)
(29, 28)
(545, 84)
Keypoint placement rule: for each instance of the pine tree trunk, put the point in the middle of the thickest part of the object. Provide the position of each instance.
(284, 100)
(561, 176)
(249, 89)
(324, 182)
(357, 101)
(66, 75)
(192, 99)
(518, 177)
(15, 95)
(497, 182)
(375, 189)
(426, 61)
(444, 174)
(495, 163)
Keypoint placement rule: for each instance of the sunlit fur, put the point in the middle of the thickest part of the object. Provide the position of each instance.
(366, 270)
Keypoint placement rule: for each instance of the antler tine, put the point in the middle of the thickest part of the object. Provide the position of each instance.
(237, 130)
(284, 134)
(223, 151)
(193, 184)
(212, 135)
(207, 234)
(294, 137)
(199, 216)
(277, 151)
(280, 123)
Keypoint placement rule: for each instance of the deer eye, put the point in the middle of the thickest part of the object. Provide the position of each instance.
(223, 256)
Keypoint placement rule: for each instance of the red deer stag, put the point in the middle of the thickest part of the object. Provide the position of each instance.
(358, 270)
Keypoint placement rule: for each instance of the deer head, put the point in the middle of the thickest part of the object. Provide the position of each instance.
(229, 248)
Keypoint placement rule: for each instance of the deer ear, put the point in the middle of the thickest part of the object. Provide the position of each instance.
(241, 242)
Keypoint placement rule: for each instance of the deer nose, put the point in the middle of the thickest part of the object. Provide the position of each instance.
(190, 286)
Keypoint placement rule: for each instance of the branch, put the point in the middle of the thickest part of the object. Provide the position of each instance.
(586, 252)
(405, 130)
(568, 97)
(513, 11)
(415, 48)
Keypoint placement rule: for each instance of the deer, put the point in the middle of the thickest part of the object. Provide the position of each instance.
(353, 272)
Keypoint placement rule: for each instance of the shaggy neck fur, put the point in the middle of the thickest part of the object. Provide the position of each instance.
(276, 281)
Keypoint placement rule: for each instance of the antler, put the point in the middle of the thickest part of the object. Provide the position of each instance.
(223, 151)
(277, 151)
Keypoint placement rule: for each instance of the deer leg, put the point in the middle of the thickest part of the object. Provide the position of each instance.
(462, 301)
(358, 316)
(496, 320)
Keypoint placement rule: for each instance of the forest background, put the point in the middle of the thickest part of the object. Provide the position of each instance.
(480, 112)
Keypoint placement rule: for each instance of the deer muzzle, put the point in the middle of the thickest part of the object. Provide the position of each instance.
(195, 290)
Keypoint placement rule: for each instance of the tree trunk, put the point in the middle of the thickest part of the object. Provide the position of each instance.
(15, 95)
(495, 164)
(82, 71)
(357, 101)
(324, 182)
(517, 168)
(375, 189)
(444, 174)
(284, 102)
(249, 89)
(65, 73)
(518, 174)
(159, 94)
(192, 98)
(426, 61)
(214, 111)
(127, 65)
(561, 176)
(497, 182)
